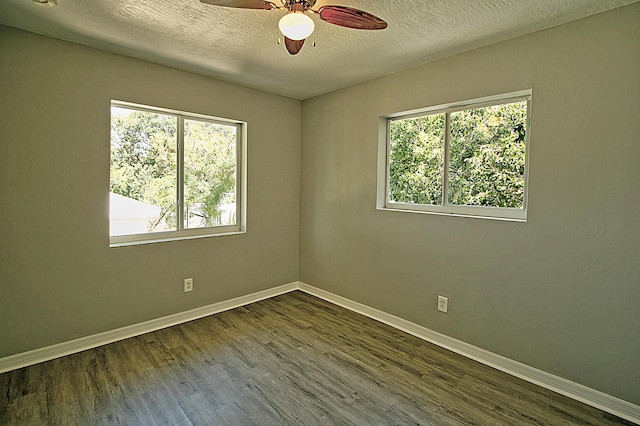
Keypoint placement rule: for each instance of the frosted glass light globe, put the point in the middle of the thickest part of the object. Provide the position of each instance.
(296, 25)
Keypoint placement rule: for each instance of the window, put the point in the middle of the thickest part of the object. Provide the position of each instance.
(467, 158)
(173, 175)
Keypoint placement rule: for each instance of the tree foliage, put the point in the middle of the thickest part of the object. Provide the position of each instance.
(144, 155)
(417, 160)
(210, 171)
(486, 157)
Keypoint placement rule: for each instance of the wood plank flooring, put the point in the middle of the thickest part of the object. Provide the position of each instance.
(293, 359)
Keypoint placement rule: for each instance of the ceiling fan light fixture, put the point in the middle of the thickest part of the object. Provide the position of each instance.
(296, 25)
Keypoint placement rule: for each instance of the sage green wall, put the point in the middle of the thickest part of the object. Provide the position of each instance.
(59, 279)
(561, 292)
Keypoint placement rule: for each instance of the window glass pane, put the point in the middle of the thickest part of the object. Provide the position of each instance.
(487, 156)
(416, 159)
(209, 174)
(143, 187)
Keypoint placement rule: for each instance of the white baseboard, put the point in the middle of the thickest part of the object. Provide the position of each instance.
(592, 397)
(602, 401)
(47, 353)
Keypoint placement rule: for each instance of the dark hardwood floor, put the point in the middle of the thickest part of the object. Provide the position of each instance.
(292, 359)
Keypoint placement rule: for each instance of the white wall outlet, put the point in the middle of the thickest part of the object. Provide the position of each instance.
(443, 304)
(188, 285)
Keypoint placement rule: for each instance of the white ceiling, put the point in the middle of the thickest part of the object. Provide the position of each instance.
(239, 45)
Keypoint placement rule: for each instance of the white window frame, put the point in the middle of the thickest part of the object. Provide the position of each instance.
(241, 181)
(485, 212)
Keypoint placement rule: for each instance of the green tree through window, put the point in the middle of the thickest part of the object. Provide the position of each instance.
(171, 172)
(474, 156)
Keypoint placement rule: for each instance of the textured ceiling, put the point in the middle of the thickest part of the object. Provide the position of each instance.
(239, 45)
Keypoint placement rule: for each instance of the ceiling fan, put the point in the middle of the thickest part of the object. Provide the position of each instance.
(296, 25)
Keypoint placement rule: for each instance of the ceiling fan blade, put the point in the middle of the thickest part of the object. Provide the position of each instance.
(293, 46)
(242, 4)
(351, 18)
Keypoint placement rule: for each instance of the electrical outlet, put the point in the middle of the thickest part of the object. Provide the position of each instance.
(443, 304)
(188, 285)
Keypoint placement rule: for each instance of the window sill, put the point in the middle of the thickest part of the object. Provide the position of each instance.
(175, 238)
(455, 214)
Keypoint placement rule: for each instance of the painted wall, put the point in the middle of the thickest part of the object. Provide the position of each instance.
(59, 279)
(561, 292)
